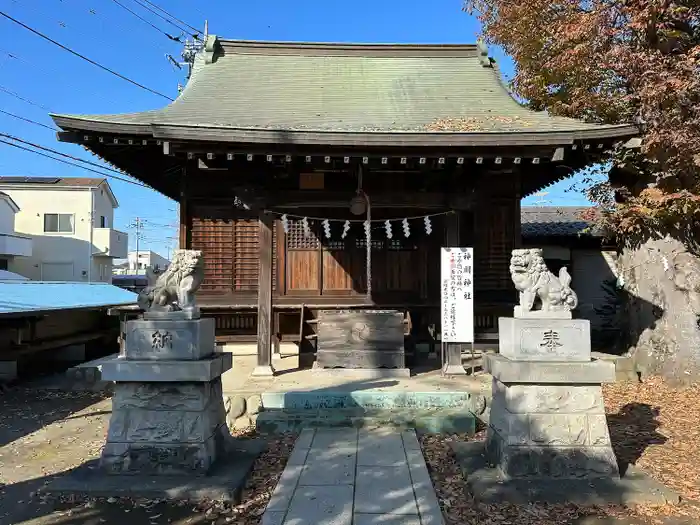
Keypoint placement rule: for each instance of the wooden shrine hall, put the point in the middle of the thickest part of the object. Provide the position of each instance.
(278, 154)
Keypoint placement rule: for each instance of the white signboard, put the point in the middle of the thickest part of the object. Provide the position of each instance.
(457, 281)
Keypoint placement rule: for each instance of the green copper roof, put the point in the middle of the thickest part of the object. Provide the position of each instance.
(348, 88)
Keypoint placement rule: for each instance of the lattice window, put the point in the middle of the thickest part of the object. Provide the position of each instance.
(214, 237)
(245, 255)
(333, 244)
(377, 244)
(297, 238)
(401, 244)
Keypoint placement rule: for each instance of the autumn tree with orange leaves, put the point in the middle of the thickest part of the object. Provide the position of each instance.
(623, 61)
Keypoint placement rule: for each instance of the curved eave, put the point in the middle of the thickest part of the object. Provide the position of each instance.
(345, 138)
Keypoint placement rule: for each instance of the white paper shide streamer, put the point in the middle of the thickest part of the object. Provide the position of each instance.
(387, 226)
(368, 230)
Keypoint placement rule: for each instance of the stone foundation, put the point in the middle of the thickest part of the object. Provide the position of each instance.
(165, 428)
(547, 417)
(557, 431)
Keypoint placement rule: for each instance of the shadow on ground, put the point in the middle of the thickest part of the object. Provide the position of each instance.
(632, 430)
(24, 410)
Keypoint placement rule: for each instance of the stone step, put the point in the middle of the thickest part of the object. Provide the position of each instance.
(625, 369)
(434, 421)
(88, 376)
(372, 400)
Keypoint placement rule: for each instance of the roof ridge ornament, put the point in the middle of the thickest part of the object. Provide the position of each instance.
(210, 48)
(483, 53)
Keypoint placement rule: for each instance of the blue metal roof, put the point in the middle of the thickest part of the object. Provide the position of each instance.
(17, 297)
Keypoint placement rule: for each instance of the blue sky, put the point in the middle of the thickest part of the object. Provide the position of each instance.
(102, 30)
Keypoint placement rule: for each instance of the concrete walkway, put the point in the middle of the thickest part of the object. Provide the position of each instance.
(350, 477)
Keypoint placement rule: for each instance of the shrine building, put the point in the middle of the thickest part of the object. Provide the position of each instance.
(271, 147)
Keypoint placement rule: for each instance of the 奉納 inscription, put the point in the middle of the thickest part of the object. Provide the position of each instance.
(544, 339)
(550, 340)
(161, 340)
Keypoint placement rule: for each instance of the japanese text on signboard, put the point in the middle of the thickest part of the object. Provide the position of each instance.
(457, 281)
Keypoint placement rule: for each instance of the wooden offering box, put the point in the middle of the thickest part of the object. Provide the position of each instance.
(360, 339)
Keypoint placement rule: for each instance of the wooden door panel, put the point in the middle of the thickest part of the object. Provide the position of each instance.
(302, 272)
(404, 271)
(337, 272)
(495, 239)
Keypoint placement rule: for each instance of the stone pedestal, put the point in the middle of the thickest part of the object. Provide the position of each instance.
(550, 423)
(166, 428)
(547, 415)
(167, 436)
(548, 438)
(168, 413)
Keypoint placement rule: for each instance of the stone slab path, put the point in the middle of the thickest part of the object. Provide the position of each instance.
(354, 477)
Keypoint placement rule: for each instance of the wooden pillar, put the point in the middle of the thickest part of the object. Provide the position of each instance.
(182, 238)
(453, 351)
(264, 365)
(184, 231)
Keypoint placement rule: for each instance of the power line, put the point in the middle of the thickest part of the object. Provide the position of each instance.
(84, 57)
(17, 139)
(173, 17)
(38, 65)
(175, 39)
(73, 164)
(27, 120)
(19, 97)
(195, 35)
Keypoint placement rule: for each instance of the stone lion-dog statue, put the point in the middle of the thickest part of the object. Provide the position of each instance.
(174, 289)
(533, 280)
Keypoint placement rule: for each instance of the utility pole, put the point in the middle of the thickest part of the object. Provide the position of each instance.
(169, 246)
(138, 224)
(190, 50)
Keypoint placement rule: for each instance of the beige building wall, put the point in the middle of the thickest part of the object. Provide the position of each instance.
(62, 256)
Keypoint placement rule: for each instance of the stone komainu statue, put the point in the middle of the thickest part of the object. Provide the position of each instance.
(174, 289)
(533, 279)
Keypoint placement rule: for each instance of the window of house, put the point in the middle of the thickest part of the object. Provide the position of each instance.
(103, 221)
(59, 223)
(3, 264)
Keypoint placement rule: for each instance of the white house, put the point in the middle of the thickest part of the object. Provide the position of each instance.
(70, 221)
(11, 244)
(146, 259)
